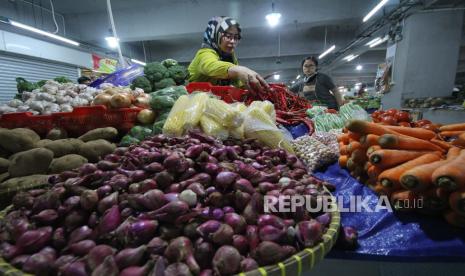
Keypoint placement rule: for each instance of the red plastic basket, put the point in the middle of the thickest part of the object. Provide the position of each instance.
(228, 94)
(76, 123)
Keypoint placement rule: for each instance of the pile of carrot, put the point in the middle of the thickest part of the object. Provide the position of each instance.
(418, 169)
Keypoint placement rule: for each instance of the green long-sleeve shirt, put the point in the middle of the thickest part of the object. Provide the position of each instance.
(207, 67)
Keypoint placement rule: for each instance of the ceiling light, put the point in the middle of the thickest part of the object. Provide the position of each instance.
(359, 67)
(373, 41)
(138, 62)
(375, 9)
(379, 42)
(298, 77)
(35, 30)
(112, 41)
(293, 81)
(276, 77)
(352, 58)
(358, 83)
(327, 51)
(348, 57)
(273, 19)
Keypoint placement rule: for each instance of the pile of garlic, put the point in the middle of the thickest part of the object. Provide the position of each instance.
(313, 152)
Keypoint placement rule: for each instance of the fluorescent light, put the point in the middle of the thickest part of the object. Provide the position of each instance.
(358, 83)
(373, 41)
(35, 30)
(348, 57)
(379, 42)
(276, 77)
(273, 18)
(327, 51)
(375, 9)
(138, 62)
(112, 41)
(341, 87)
(359, 67)
(352, 58)
(298, 77)
(293, 81)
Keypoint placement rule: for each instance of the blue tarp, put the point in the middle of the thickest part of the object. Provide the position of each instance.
(384, 235)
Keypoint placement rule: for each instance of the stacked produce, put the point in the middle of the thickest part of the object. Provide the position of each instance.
(325, 120)
(435, 101)
(180, 206)
(26, 160)
(410, 165)
(313, 151)
(222, 120)
(160, 75)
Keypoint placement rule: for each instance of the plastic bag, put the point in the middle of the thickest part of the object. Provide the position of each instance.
(259, 125)
(174, 125)
(211, 127)
(195, 109)
(223, 113)
(266, 106)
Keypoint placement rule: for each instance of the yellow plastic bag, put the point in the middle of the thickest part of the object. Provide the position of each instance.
(194, 109)
(211, 127)
(174, 125)
(223, 113)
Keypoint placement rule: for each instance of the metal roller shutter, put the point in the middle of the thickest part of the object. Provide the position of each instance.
(32, 69)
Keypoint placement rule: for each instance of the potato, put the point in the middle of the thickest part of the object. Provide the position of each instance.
(106, 133)
(64, 146)
(93, 150)
(27, 132)
(4, 153)
(42, 143)
(57, 133)
(22, 183)
(66, 163)
(14, 141)
(34, 161)
(4, 164)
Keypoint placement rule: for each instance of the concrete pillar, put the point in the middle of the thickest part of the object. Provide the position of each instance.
(425, 62)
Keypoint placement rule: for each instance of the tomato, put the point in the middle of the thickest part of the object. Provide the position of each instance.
(421, 123)
(403, 116)
(376, 114)
(404, 124)
(392, 112)
(431, 127)
(388, 120)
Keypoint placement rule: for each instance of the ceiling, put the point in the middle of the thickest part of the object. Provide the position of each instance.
(173, 28)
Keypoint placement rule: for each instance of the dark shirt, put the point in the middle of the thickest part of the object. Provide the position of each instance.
(316, 88)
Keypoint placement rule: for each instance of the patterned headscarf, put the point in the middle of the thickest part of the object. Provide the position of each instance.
(216, 26)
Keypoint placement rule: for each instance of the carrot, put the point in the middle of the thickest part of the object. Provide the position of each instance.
(385, 158)
(343, 150)
(457, 201)
(344, 138)
(353, 135)
(455, 219)
(369, 140)
(354, 146)
(390, 141)
(420, 133)
(374, 172)
(359, 156)
(364, 127)
(441, 143)
(451, 133)
(404, 200)
(343, 161)
(431, 203)
(367, 166)
(451, 176)
(351, 164)
(391, 178)
(453, 152)
(420, 178)
(372, 149)
(460, 141)
(453, 127)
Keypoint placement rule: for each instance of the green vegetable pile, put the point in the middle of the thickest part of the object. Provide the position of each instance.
(23, 85)
(160, 75)
(328, 121)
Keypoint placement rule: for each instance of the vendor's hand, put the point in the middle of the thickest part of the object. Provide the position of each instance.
(251, 78)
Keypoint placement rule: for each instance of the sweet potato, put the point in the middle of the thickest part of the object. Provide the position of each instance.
(42, 143)
(34, 161)
(64, 146)
(4, 164)
(93, 150)
(105, 133)
(24, 181)
(14, 141)
(27, 132)
(56, 134)
(4, 176)
(66, 163)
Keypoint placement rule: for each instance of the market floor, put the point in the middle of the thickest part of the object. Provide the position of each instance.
(367, 268)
